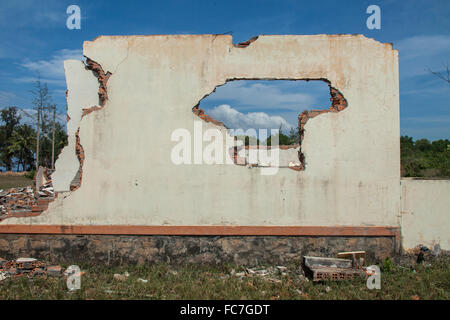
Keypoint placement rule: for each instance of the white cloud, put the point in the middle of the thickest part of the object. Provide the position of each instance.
(264, 96)
(234, 119)
(419, 46)
(419, 53)
(52, 70)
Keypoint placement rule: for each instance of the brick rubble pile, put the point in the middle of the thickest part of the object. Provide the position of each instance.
(28, 267)
(25, 199)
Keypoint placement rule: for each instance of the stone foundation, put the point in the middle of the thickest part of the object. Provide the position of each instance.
(243, 250)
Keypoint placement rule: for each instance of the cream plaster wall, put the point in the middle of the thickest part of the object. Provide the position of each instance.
(425, 213)
(352, 157)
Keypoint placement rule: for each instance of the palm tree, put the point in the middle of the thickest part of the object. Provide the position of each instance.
(21, 144)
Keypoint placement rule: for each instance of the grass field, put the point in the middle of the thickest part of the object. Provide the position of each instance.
(7, 182)
(429, 280)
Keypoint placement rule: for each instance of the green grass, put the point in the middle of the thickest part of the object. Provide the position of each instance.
(430, 280)
(7, 182)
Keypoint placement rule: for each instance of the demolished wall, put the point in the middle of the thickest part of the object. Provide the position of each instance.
(351, 169)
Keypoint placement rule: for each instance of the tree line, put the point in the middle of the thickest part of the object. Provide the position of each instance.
(422, 158)
(25, 145)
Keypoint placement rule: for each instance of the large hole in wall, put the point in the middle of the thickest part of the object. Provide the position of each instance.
(279, 105)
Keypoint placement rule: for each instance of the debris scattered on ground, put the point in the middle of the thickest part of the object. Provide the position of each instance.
(17, 202)
(121, 277)
(142, 280)
(16, 199)
(422, 253)
(54, 271)
(271, 274)
(348, 265)
(436, 250)
(29, 267)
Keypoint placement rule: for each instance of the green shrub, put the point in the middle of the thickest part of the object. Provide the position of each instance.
(30, 174)
(387, 265)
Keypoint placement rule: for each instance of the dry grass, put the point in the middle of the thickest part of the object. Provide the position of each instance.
(424, 281)
(9, 181)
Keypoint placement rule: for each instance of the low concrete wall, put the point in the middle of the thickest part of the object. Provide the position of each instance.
(244, 250)
(425, 215)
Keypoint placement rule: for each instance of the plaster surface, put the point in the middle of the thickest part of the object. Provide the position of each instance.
(82, 90)
(352, 168)
(425, 213)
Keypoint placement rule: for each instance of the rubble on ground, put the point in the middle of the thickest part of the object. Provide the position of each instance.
(29, 267)
(121, 277)
(271, 274)
(24, 201)
(348, 265)
(422, 253)
(16, 199)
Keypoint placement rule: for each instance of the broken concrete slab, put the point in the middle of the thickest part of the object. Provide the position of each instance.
(312, 262)
(82, 92)
(319, 268)
(358, 258)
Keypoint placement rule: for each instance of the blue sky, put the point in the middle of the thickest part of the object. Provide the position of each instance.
(35, 39)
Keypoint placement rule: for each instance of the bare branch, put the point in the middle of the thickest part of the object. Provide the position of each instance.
(444, 75)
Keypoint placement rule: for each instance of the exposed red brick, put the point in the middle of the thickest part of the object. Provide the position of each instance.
(236, 159)
(202, 115)
(245, 44)
(89, 110)
(26, 201)
(80, 155)
(102, 78)
(67, 106)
